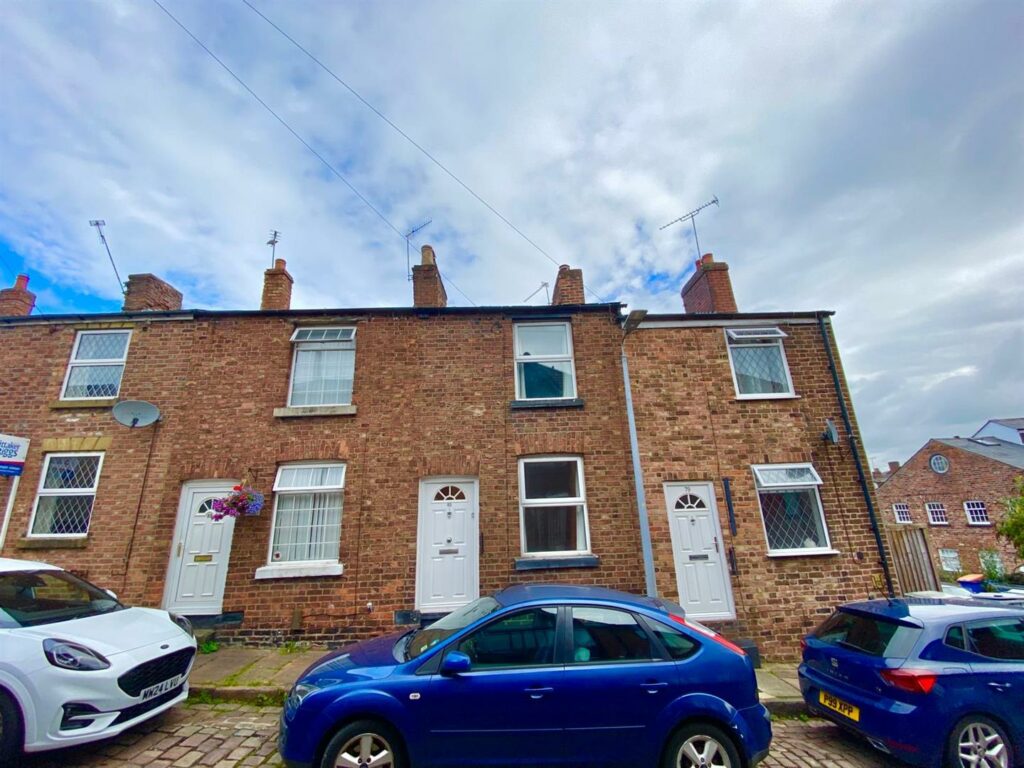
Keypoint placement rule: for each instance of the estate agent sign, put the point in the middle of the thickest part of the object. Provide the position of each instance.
(12, 455)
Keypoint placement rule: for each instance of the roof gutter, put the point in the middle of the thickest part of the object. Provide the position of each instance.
(861, 477)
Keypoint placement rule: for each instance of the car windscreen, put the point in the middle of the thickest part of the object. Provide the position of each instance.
(873, 635)
(423, 640)
(32, 598)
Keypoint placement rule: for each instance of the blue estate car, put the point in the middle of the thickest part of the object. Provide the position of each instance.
(535, 675)
(935, 682)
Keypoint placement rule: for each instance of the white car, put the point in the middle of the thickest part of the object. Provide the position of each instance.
(76, 665)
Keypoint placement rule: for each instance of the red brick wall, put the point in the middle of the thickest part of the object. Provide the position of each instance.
(277, 287)
(970, 478)
(568, 286)
(149, 292)
(432, 397)
(692, 428)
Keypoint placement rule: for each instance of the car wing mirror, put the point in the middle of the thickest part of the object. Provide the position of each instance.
(455, 662)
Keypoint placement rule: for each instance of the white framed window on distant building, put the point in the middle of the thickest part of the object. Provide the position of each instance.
(305, 537)
(759, 366)
(950, 560)
(791, 511)
(901, 512)
(545, 369)
(96, 365)
(936, 513)
(323, 367)
(976, 512)
(553, 506)
(67, 491)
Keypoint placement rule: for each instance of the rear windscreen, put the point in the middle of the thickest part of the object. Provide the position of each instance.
(872, 635)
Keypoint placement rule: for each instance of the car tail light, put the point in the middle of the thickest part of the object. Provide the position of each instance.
(711, 635)
(910, 680)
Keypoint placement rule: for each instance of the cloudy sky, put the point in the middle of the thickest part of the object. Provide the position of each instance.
(868, 159)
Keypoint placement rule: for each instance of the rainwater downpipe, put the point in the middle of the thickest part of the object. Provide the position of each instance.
(822, 325)
(631, 324)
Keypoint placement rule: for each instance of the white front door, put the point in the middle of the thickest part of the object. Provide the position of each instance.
(199, 551)
(699, 552)
(447, 552)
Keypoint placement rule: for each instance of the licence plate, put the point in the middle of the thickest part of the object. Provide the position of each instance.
(838, 705)
(164, 687)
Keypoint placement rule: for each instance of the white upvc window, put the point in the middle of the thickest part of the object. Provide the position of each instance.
(306, 532)
(791, 511)
(67, 491)
(976, 512)
(936, 513)
(950, 560)
(323, 367)
(96, 365)
(545, 369)
(901, 512)
(758, 361)
(553, 507)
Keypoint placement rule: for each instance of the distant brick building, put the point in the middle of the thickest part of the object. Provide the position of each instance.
(956, 487)
(413, 458)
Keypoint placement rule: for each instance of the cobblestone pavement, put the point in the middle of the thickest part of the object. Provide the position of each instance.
(234, 735)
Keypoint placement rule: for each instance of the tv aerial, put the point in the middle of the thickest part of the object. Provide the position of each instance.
(692, 218)
(135, 413)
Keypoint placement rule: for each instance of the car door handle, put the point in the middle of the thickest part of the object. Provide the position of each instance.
(653, 687)
(538, 692)
(999, 686)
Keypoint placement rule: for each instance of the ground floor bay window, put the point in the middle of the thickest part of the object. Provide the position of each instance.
(306, 532)
(794, 523)
(553, 507)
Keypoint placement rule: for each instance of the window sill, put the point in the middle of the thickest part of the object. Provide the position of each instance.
(47, 542)
(61, 405)
(804, 553)
(298, 571)
(315, 410)
(938, 525)
(767, 397)
(980, 525)
(550, 402)
(571, 561)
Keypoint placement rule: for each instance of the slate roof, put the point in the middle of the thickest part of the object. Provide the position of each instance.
(1012, 423)
(1002, 451)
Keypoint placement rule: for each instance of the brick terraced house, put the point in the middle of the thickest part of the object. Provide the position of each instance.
(956, 487)
(415, 458)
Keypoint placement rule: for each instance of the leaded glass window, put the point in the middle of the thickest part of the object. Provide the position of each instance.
(97, 364)
(66, 494)
(794, 521)
(758, 362)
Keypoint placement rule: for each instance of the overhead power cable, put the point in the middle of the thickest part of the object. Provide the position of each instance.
(408, 138)
(293, 132)
(282, 121)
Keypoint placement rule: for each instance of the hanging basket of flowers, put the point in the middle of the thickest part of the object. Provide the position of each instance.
(243, 500)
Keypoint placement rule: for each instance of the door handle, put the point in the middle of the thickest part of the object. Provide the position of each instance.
(653, 687)
(538, 692)
(999, 686)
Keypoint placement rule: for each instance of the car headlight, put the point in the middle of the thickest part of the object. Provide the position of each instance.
(185, 624)
(68, 655)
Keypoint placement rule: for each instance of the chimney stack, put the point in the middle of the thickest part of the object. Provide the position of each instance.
(568, 286)
(893, 466)
(148, 293)
(709, 290)
(427, 286)
(17, 301)
(277, 287)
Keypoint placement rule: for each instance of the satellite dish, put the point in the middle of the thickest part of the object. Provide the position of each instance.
(831, 434)
(135, 413)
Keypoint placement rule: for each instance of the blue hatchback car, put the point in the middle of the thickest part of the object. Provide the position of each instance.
(934, 682)
(535, 675)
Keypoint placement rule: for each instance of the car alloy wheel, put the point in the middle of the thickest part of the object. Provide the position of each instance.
(979, 745)
(366, 750)
(703, 751)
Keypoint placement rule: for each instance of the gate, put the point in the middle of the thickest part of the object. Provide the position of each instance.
(912, 556)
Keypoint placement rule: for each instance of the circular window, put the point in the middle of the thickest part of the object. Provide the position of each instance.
(939, 464)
